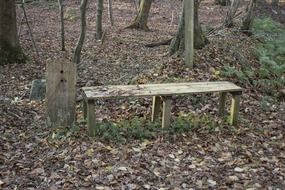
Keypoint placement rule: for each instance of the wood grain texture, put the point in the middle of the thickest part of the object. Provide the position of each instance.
(166, 112)
(91, 121)
(235, 108)
(60, 93)
(166, 89)
(222, 103)
(156, 108)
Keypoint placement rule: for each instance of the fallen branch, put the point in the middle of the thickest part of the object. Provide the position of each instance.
(154, 44)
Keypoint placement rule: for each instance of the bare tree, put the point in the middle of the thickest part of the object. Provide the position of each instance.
(60, 4)
(110, 12)
(79, 45)
(248, 19)
(29, 28)
(10, 49)
(231, 13)
(177, 43)
(140, 21)
(99, 15)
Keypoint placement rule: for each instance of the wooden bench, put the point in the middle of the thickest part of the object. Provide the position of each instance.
(161, 94)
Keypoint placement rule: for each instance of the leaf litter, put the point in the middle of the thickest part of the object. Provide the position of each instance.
(249, 156)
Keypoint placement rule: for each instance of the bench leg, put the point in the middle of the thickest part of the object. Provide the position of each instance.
(166, 112)
(91, 118)
(222, 103)
(156, 108)
(84, 104)
(235, 108)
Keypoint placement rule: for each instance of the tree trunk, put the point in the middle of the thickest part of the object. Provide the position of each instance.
(248, 19)
(99, 14)
(200, 40)
(231, 13)
(10, 50)
(60, 5)
(110, 10)
(189, 33)
(140, 21)
(79, 45)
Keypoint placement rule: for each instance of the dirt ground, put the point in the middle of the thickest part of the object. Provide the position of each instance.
(248, 156)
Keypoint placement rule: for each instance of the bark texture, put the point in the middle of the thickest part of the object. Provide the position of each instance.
(140, 21)
(79, 45)
(110, 11)
(200, 40)
(229, 21)
(99, 15)
(10, 50)
(248, 19)
(60, 5)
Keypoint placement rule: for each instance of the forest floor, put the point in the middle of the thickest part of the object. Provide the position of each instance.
(213, 156)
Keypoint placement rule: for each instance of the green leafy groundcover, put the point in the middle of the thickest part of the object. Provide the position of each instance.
(270, 51)
(141, 129)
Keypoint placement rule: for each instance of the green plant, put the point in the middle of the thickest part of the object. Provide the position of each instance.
(270, 76)
(271, 53)
(141, 129)
(231, 72)
(266, 102)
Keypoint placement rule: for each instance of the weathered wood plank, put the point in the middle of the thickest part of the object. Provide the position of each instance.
(222, 103)
(60, 93)
(84, 105)
(156, 108)
(166, 112)
(159, 89)
(235, 108)
(91, 122)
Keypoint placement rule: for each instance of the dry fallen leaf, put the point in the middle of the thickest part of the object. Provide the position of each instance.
(37, 171)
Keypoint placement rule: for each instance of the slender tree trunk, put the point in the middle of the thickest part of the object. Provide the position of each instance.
(200, 40)
(248, 19)
(10, 50)
(79, 45)
(60, 4)
(110, 12)
(30, 30)
(231, 13)
(99, 14)
(140, 21)
(136, 5)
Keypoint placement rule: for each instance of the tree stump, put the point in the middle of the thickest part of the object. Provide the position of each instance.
(60, 93)
(38, 89)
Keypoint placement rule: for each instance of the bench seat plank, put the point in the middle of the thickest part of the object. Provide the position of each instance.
(166, 89)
